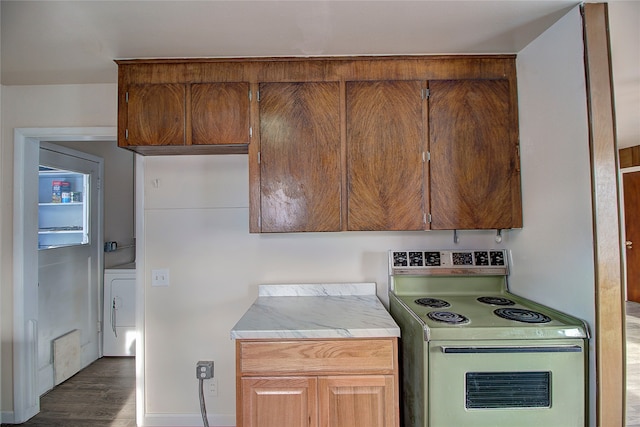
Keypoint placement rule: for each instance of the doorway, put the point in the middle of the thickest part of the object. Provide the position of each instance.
(27, 142)
(630, 217)
(631, 196)
(69, 263)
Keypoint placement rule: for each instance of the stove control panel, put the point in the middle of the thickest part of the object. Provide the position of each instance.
(464, 259)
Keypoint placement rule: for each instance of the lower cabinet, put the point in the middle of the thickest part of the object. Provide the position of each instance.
(279, 402)
(357, 401)
(360, 388)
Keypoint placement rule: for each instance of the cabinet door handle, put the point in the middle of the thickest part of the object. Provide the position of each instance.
(629, 244)
(511, 349)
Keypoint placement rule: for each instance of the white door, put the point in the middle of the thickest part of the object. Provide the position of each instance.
(69, 272)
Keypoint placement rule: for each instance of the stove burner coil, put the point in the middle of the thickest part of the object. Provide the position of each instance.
(432, 302)
(522, 315)
(496, 301)
(447, 317)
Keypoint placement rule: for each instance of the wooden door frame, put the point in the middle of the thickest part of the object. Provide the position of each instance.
(609, 304)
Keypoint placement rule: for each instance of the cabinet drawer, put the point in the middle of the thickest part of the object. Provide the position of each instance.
(317, 356)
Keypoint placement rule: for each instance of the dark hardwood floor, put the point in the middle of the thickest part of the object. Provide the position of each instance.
(101, 395)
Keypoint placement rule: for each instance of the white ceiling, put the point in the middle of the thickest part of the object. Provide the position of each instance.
(61, 42)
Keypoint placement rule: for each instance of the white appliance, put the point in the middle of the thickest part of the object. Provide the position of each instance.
(119, 336)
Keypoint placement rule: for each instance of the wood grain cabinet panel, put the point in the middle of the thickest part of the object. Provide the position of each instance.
(318, 356)
(279, 402)
(475, 177)
(156, 115)
(356, 401)
(385, 155)
(220, 113)
(300, 166)
(184, 118)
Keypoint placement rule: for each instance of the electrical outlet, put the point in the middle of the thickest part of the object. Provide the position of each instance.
(213, 386)
(204, 370)
(160, 277)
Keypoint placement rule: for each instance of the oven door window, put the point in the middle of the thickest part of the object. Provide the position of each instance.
(492, 390)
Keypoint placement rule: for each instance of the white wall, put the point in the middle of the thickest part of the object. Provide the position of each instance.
(196, 225)
(552, 255)
(37, 106)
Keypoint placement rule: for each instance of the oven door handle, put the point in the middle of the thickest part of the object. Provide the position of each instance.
(511, 349)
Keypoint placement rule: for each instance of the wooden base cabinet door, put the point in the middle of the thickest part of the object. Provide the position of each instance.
(279, 402)
(358, 401)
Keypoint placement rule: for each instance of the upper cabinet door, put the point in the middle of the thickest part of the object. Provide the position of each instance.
(220, 113)
(300, 161)
(474, 167)
(385, 155)
(156, 115)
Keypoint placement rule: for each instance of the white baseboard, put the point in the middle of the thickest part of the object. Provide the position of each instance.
(45, 379)
(187, 420)
(7, 417)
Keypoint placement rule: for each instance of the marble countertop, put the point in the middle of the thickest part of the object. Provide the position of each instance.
(335, 310)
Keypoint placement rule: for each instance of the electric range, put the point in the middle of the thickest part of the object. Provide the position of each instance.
(475, 354)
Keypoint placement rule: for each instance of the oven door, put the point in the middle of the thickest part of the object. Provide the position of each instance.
(506, 383)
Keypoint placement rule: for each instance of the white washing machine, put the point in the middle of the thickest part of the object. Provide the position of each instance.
(119, 332)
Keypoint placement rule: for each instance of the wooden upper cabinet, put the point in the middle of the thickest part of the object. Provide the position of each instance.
(300, 166)
(385, 155)
(220, 113)
(179, 108)
(155, 115)
(342, 143)
(475, 177)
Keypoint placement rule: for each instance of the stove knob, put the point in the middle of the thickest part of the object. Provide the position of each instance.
(497, 257)
(399, 259)
(482, 258)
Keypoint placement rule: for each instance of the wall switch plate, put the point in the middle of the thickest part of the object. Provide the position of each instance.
(160, 277)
